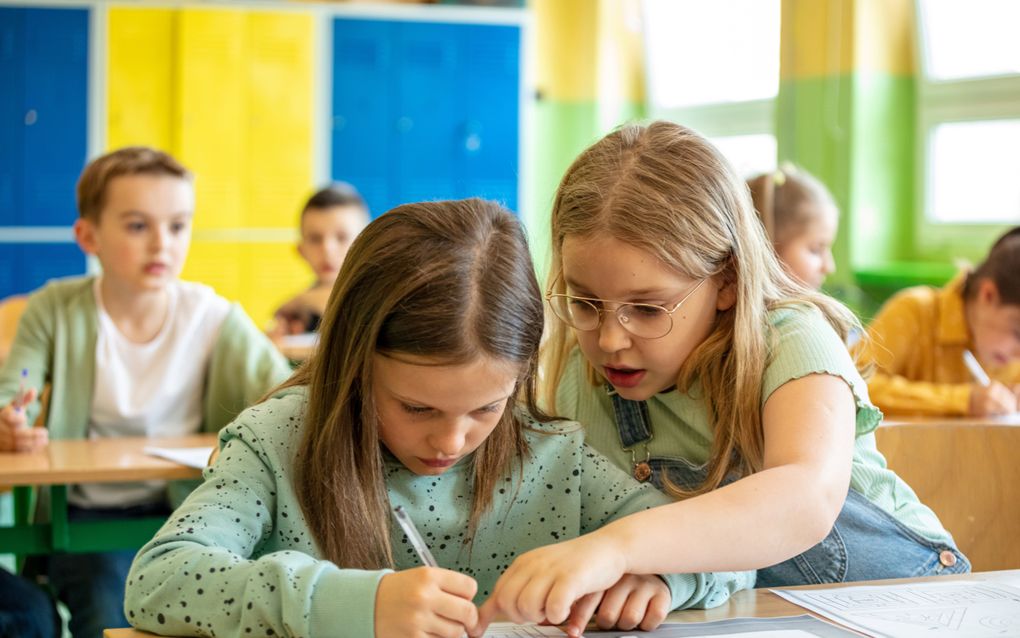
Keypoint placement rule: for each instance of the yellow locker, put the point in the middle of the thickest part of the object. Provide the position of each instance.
(210, 112)
(140, 77)
(273, 273)
(279, 159)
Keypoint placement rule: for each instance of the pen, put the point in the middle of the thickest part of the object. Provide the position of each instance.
(417, 542)
(975, 368)
(20, 398)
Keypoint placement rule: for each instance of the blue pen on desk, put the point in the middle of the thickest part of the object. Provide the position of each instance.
(975, 368)
(417, 542)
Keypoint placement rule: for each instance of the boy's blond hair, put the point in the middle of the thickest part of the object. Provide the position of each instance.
(130, 160)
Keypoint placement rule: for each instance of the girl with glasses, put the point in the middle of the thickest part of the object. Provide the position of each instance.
(695, 363)
(421, 394)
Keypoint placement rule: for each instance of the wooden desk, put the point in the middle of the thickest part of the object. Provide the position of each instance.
(754, 603)
(64, 463)
(968, 471)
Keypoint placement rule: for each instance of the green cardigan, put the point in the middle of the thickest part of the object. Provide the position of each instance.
(56, 343)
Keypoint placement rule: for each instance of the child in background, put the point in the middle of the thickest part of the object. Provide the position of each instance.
(673, 318)
(330, 221)
(131, 352)
(801, 219)
(420, 395)
(918, 340)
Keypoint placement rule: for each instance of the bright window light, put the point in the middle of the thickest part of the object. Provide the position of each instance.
(974, 174)
(976, 38)
(749, 154)
(710, 52)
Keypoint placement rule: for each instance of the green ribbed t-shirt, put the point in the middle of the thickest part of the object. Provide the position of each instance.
(802, 342)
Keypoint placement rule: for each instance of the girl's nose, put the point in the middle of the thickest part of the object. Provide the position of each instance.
(613, 337)
(449, 440)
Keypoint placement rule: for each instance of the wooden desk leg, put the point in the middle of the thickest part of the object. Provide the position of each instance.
(61, 539)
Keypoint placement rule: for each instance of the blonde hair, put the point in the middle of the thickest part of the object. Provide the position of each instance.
(787, 200)
(666, 190)
(448, 281)
(130, 160)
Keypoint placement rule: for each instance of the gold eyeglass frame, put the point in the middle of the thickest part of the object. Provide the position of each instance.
(550, 295)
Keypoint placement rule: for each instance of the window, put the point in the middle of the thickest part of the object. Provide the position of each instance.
(695, 78)
(968, 123)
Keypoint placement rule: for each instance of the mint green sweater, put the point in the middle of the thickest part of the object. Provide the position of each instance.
(56, 343)
(238, 559)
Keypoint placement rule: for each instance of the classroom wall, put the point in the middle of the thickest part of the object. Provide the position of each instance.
(589, 79)
(262, 103)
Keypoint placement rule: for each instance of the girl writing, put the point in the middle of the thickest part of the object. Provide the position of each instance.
(420, 395)
(695, 362)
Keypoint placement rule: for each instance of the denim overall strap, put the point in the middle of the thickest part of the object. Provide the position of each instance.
(632, 419)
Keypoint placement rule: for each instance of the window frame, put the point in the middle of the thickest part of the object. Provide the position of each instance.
(959, 100)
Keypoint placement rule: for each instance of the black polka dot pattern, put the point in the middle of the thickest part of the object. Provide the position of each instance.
(237, 558)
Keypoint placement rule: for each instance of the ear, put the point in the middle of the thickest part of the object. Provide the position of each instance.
(299, 248)
(988, 292)
(85, 235)
(726, 298)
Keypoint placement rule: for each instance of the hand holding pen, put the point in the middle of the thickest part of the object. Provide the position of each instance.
(425, 600)
(987, 396)
(15, 435)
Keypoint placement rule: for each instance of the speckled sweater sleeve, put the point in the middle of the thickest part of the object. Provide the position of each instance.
(215, 569)
(609, 493)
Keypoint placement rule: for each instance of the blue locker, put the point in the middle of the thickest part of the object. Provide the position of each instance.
(434, 109)
(362, 117)
(491, 132)
(12, 114)
(27, 267)
(55, 122)
(430, 94)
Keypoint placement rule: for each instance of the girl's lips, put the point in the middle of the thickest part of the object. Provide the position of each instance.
(623, 378)
(438, 463)
(155, 269)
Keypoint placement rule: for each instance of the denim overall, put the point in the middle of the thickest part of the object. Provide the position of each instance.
(865, 543)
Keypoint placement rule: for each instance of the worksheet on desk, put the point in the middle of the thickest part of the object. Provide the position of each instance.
(781, 627)
(960, 609)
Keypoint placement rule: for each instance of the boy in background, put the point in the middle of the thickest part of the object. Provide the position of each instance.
(131, 352)
(330, 220)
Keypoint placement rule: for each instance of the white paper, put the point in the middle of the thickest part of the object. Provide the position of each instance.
(958, 609)
(196, 457)
(510, 630)
(303, 340)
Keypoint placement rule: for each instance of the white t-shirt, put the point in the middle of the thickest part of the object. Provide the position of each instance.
(153, 388)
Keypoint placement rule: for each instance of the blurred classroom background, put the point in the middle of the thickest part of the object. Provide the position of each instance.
(909, 110)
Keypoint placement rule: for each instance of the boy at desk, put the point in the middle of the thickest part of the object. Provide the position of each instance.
(133, 351)
(951, 351)
(330, 221)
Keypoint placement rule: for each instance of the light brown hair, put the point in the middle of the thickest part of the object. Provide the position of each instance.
(1002, 267)
(130, 160)
(787, 200)
(664, 189)
(448, 281)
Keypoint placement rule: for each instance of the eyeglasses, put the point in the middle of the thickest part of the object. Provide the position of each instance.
(643, 320)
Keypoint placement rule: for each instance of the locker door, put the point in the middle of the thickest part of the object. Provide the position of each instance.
(489, 134)
(363, 124)
(12, 116)
(56, 80)
(430, 95)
